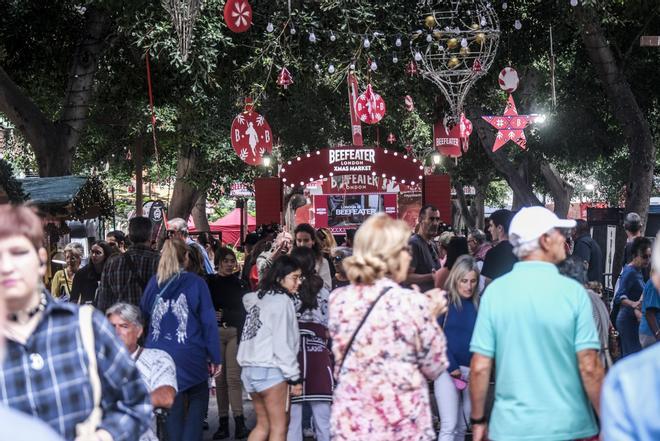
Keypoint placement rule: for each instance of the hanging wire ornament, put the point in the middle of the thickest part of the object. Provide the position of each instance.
(465, 40)
(184, 14)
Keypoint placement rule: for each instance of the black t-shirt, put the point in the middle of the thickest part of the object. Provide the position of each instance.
(589, 251)
(424, 259)
(85, 283)
(499, 260)
(227, 295)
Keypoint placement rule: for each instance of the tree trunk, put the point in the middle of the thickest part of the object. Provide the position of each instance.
(54, 144)
(199, 214)
(462, 204)
(185, 193)
(522, 190)
(478, 203)
(626, 111)
(561, 190)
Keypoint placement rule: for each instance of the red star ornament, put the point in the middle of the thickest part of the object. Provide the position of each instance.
(510, 126)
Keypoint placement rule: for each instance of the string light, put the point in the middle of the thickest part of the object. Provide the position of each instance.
(373, 66)
(574, 3)
(366, 43)
(398, 43)
(270, 28)
(418, 56)
(331, 68)
(517, 24)
(395, 59)
(429, 38)
(504, 6)
(292, 31)
(312, 37)
(333, 37)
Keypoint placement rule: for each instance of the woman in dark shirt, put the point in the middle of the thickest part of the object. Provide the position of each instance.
(227, 291)
(88, 278)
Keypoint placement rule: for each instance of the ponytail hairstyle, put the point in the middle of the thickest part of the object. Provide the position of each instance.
(312, 283)
(378, 245)
(171, 260)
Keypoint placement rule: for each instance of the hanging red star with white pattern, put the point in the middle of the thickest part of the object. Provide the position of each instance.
(510, 126)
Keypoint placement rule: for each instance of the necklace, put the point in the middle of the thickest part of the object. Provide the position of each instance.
(32, 312)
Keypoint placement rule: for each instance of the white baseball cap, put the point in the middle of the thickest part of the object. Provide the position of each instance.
(530, 223)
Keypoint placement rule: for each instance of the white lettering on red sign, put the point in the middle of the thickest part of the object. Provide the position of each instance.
(365, 155)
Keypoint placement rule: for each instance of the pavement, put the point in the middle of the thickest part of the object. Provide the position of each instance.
(248, 412)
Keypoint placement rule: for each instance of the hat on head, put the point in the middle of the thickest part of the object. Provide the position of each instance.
(530, 223)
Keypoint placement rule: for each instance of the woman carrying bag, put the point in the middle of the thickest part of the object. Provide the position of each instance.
(451, 387)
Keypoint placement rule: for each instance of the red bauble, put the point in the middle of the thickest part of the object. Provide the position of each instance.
(251, 137)
(370, 107)
(284, 79)
(238, 15)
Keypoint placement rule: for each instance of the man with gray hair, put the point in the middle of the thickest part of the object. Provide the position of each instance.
(537, 327)
(632, 223)
(178, 228)
(156, 367)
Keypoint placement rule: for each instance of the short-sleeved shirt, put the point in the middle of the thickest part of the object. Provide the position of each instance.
(157, 370)
(589, 251)
(499, 260)
(533, 321)
(424, 259)
(651, 299)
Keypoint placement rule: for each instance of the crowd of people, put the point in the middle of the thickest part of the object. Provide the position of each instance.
(392, 335)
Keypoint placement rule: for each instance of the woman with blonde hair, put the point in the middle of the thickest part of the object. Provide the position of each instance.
(62, 282)
(451, 392)
(386, 341)
(178, 307)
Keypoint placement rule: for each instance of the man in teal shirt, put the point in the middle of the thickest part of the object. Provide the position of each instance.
(538, 328)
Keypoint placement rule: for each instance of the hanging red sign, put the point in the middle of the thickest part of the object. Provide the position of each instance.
(452, 141)
(251, 137)
(238, 15)
(370, 107)
(356, 127)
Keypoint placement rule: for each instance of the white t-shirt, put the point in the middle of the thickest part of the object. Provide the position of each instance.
(157, 369)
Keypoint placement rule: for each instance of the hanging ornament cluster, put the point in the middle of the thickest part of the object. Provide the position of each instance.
(510, 126)
(284, 79)
(238, 15)
(251, 136)
(370, 107)
(456, 47)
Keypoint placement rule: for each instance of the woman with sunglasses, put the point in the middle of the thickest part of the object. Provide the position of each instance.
(628, 296)
(268, 353)
(86, 282)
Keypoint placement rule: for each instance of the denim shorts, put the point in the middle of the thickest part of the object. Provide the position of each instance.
(258, 379)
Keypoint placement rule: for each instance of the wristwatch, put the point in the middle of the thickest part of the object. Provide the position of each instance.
(481, 420)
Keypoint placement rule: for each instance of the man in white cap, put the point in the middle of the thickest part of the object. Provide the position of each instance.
(537, 327)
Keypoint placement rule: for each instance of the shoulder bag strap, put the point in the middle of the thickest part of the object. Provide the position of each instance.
(364, 319)
(86, 430)
(131, 266)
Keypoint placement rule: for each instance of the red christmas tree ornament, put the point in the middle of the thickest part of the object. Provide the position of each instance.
(410, 105)
(391, 138)
(510, 126)
(284, 79)
(476, 65)
(411, 68)
(409, 148)
(370, 107)
(251, 136)
(238, 15)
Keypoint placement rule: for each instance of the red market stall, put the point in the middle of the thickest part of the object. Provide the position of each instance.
(229, 226)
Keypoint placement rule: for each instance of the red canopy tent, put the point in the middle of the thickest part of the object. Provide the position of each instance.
(229, 226)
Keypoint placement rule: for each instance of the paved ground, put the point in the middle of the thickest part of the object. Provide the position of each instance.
(250, 420)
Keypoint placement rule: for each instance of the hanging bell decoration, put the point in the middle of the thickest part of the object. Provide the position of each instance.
(284, 79)
(411, 68)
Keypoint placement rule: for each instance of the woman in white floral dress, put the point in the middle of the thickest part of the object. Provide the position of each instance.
(382, 389)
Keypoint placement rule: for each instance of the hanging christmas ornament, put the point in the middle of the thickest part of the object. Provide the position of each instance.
(508, 80)
(331, 69)
(270, 28)
(466, 36)
(284, 79)
(408, 101)
(391, 138)
(510, 126)
(395, 59)
(312, 37)
(398, 43)
(251, 136)
(518, 25)
(238, 15)
(411, 68)
(333, 37)
(574, 3)
(370, 106)
(366, 43)
(409, 148)
(373, 66)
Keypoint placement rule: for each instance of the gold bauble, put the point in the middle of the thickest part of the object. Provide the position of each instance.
(452, 43)
(475, 26)
(437, 35)
(429, 21)
(453, 62)
(464, 51)
(480, 38)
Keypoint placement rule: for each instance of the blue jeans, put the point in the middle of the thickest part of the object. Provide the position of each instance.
(187, 426)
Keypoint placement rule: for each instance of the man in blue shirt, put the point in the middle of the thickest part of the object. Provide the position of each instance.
(630, 405)
(537, 326)
(649, 326)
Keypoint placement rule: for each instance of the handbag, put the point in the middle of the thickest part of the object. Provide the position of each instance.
(364, 319)
(86, 430)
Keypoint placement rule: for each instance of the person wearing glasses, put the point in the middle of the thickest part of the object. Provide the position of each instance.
(268, 352)
(628, 296)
